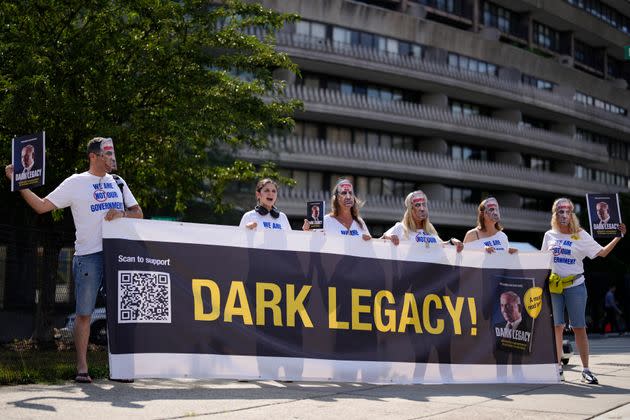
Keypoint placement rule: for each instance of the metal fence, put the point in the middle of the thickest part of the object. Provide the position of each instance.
(36, 285)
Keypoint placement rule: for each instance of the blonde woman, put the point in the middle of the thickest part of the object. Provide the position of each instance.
(488, 234)
(570, 244)
(415, 225)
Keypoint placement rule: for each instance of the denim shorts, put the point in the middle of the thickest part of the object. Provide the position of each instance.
(88, 277)
(574, 299)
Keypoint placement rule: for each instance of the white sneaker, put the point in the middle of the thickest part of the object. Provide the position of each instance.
(589, 377)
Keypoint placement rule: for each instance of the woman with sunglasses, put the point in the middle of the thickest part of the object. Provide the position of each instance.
(415, 225)
(344, 217)
(570, 244)
(488, 234)
(265, 215)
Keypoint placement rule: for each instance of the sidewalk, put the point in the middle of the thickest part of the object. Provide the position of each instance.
(169, 399)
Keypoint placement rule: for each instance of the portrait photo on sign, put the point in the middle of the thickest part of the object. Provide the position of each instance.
(315, 211)
(513, 326)
(604, 215)
(28, 159)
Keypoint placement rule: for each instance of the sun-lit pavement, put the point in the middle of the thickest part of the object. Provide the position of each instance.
(169, 399)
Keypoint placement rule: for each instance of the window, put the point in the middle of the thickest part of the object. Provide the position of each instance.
(537, 163)
(589, 174)
(537, 83)
(546, 37)
(462, 62)
(465, 108)
(461, 152)
(497, 17)
(598, 103)
(587, 55)
(460, 195)
(603, 12)
(535, 123)
(348, 87)
(617, 149)
(311, 29)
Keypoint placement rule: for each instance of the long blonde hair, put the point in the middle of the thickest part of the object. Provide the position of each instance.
(480, 211)
(574, 223)
(409, 225)
(354, 210)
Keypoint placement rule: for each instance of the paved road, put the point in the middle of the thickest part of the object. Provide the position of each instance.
(170, 399)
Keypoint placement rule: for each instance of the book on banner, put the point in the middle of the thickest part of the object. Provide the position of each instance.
(517, 304)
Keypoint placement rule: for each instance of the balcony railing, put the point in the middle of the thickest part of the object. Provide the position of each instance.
(519, 91)
(431, 167)
(336, 104)
(386, 209)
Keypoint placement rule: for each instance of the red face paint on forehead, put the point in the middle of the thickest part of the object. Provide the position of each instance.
(418, 199)
(491, 205)
(108, 147)
(346, 186)
(564, 206)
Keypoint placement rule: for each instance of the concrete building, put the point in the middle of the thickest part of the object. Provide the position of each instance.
(524, 100)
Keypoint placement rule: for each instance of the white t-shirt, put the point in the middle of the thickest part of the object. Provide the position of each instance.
(569, 252)
(90, 197)
(498, 241)
(332, 226)
(419, 236)
(266, 221)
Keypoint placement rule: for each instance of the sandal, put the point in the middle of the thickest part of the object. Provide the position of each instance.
(83, 378)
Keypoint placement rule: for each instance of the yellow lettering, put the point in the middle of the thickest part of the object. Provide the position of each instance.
(296, 305)
(390, 314)
(358, 309)
(237, 289)
(332, 311)
(409, 304)
(215, 299)
(426, 316)
(455, 312)
(262, 304)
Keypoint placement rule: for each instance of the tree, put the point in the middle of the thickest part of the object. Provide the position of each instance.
(178, 85)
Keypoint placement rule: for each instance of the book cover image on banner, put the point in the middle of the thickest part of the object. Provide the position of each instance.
(604, 215)
(29, 161)
(514, 327)
(315, 211)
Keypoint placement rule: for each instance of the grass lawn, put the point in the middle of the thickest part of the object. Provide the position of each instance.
(25, 362)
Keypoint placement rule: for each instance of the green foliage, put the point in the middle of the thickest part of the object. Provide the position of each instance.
(178, 85)
(34, 365)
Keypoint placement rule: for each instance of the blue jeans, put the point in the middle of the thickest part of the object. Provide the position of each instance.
(88, 277)
(574, 299)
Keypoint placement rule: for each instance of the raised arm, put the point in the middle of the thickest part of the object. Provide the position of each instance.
(40, 205)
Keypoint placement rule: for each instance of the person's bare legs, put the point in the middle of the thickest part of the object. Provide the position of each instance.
(581, 341)
(559, 331)
(81, 338)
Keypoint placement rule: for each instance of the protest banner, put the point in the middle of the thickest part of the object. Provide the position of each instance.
(205, 301)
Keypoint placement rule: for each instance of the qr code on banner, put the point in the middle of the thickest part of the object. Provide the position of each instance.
(144, 296)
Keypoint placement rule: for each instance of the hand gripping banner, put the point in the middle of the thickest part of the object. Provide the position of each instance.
(206, 301)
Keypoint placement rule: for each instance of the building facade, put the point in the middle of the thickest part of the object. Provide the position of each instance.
(525, 101)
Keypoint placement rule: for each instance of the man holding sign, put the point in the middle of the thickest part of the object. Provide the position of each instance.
(92, 196)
